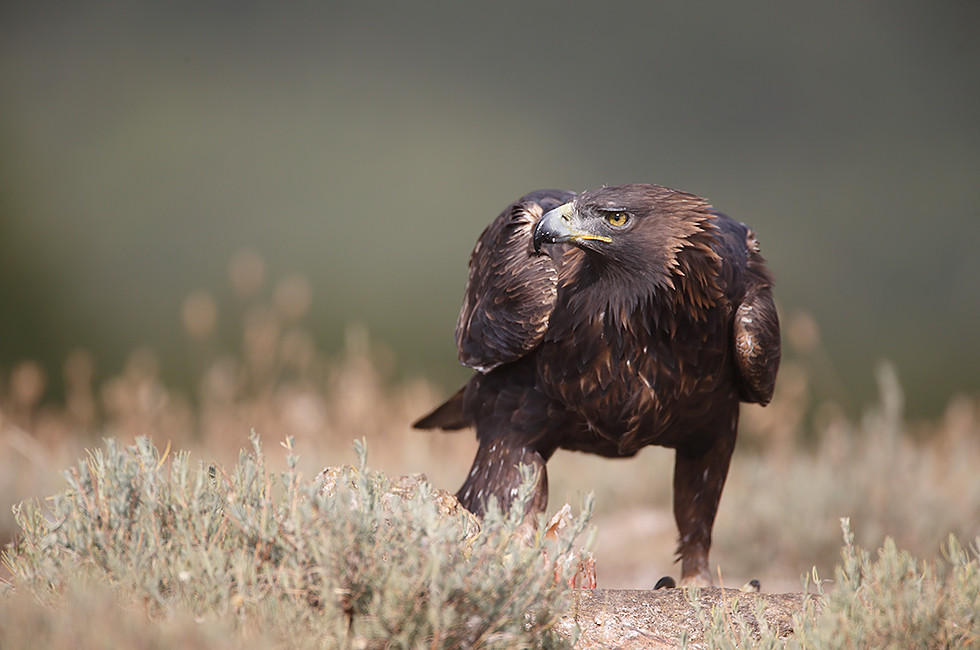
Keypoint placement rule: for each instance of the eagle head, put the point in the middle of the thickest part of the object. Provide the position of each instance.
(637, 229)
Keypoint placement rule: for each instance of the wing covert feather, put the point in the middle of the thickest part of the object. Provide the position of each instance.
(756, 330)
(511, 291)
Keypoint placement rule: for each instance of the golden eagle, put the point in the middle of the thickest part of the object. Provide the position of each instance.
(607, 321)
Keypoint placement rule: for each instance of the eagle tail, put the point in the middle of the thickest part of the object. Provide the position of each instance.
(448, 416)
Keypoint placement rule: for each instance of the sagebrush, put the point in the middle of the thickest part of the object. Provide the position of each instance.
(285, 559)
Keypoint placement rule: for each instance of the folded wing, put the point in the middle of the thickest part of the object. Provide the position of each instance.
(511, 292)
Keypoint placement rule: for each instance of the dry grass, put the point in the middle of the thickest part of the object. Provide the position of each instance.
(800, 466)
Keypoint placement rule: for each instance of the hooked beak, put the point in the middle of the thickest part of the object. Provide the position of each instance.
(558, 227)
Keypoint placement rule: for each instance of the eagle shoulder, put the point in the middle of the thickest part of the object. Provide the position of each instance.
(510, 293)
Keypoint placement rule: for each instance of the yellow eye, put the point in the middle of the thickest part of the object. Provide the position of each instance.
(618, 219)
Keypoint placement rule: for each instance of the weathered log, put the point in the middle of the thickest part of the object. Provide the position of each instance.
(628, 618)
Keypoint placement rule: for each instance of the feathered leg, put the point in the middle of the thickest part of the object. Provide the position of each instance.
(496, 472)
(698, 481)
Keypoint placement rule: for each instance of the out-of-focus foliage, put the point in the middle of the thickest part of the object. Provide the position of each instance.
(365, 146)
(916, 485)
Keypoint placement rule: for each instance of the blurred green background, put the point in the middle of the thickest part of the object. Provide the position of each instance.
(366, 145)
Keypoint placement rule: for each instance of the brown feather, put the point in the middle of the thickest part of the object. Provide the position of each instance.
(511, 291)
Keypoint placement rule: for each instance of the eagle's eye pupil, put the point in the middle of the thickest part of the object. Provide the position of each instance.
(617, 219)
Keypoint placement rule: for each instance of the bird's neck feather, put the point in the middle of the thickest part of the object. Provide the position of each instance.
(685, 279)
